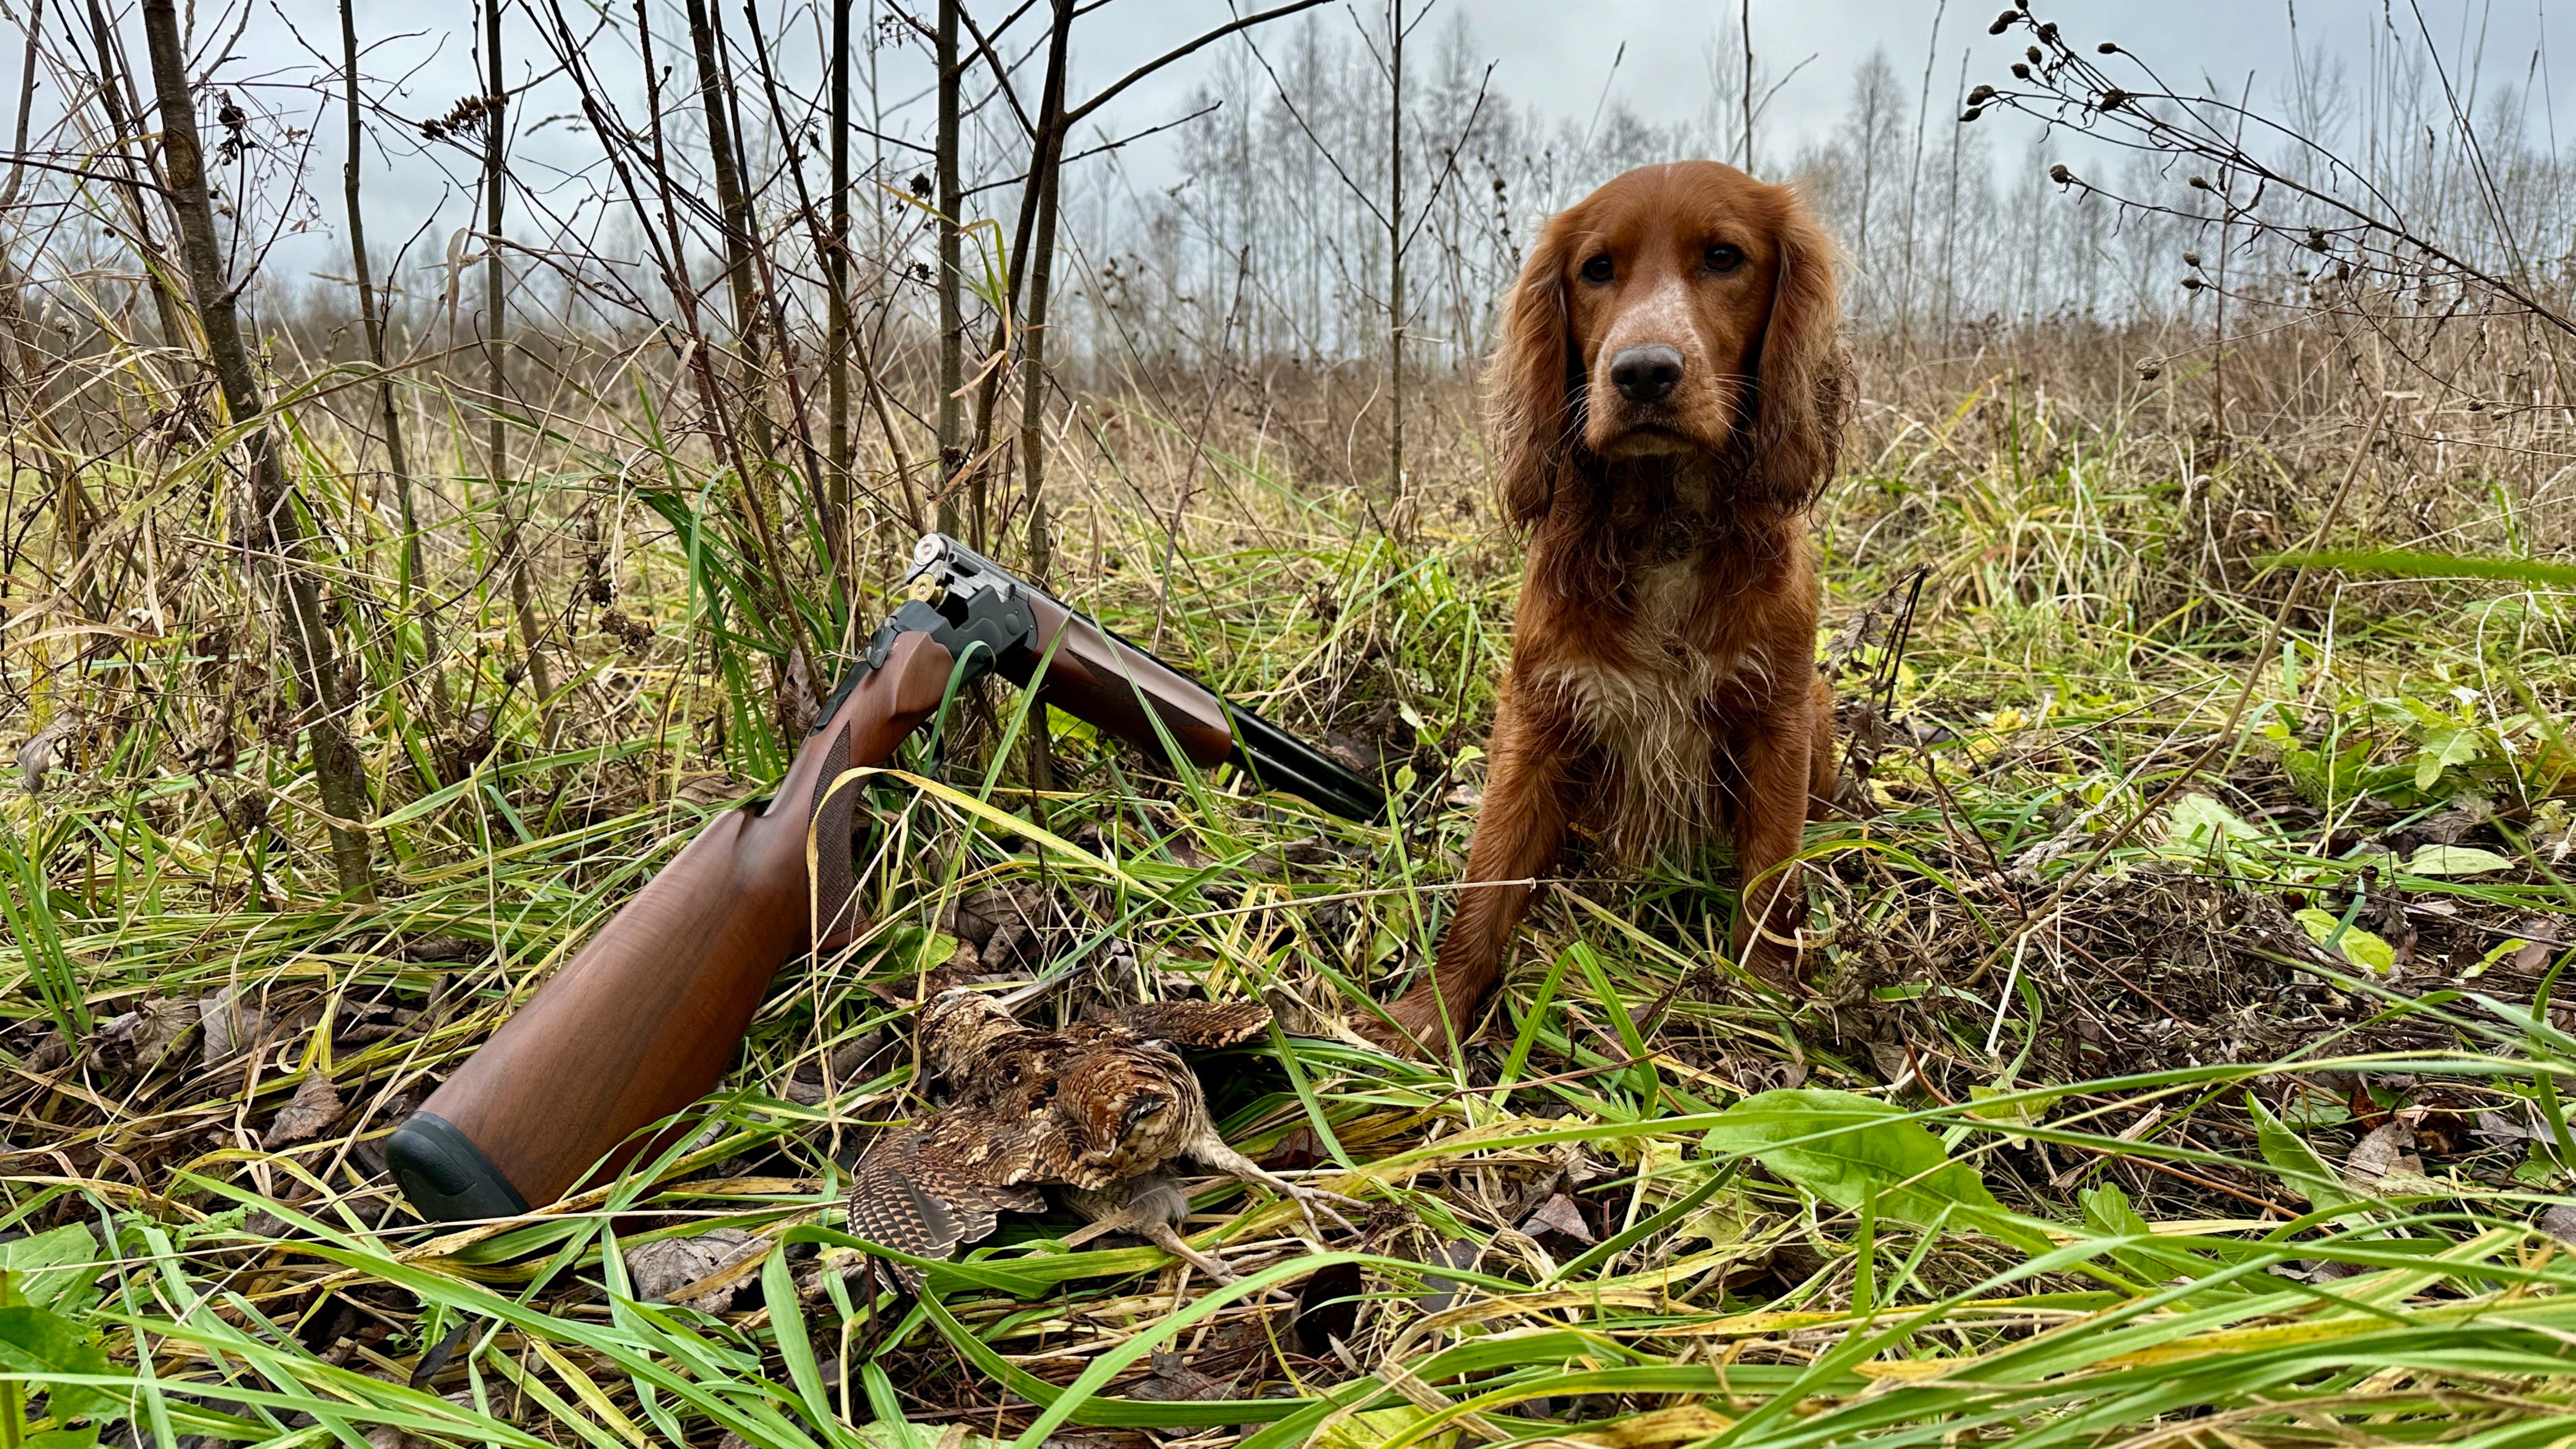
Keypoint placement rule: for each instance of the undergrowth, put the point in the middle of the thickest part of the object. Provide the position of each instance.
(2181, 1064)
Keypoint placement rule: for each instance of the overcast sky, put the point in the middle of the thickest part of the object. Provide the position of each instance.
(1561, 55)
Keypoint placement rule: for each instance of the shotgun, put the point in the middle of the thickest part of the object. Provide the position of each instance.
(644, 1019)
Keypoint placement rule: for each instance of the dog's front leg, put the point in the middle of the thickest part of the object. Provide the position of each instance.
(1779, 771)
(1519, 830)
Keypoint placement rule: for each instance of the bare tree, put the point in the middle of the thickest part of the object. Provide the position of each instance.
(272, 524)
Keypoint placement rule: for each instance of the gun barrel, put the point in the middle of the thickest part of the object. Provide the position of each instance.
(1281, 761)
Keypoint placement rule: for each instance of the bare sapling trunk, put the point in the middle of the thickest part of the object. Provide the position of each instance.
(1395, 256)
(952, 324)
(111, 96)
(1049, 169)
(496, 439)
(735, 206)
(724, 150)
(272, 525)
(371, 316)
(836, 279)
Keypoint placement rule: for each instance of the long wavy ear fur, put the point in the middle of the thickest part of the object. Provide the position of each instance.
(1803, 386)
(1533, 390)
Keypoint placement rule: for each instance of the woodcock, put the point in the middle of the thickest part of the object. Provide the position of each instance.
(1101, 1107)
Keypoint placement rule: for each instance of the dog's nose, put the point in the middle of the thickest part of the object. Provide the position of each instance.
(1645, 374)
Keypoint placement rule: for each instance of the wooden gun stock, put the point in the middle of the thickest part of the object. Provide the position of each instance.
(645, 1018)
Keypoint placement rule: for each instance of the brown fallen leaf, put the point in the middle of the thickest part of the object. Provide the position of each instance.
(45, 748)
(230, 1025)
(2559, 1221)
(709, 788)
(1174, 1381)
(797, 706)
(665, 1264)
(1559, 1214)
(148, 1032)
(2382, 1152)
(316, 1106)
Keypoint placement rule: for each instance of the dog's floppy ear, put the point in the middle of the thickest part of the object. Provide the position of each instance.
(1533, 399)
(1802, 387)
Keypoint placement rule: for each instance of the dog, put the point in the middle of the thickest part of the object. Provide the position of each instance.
(1664, 406)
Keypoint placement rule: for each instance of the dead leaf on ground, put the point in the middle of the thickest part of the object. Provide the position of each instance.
(148, 1032)
(709, 789)
(2559, 1221)
(2384, 1151)
(1005, 923)
(658, 1268)
(1559, 1214)
(44, 749)
(1174, 1381)
(230, 1025)
(316, 1106)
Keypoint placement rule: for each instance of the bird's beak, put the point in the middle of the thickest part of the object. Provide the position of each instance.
(1011, 1001)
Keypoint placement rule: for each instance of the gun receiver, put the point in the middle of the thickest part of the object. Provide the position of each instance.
(1096, 675)
(644, 1019)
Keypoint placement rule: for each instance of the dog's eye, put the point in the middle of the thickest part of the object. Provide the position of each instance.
(1723, 258)
(1597, 270)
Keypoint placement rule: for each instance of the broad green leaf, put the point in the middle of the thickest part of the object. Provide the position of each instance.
(53, 1268)
(1849, 1149)
(2200, 824)
(2360, 947)
(2448, 860)
(2021, 1110)
(2301, 1169)
(80, 1436)
(2443, 748)
(40, 1341)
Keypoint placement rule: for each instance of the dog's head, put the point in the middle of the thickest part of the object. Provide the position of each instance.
(1684, 308)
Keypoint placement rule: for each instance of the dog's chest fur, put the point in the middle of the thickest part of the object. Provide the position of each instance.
(1655, 692)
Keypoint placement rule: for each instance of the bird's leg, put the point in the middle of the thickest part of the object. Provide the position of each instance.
(1309, 1200)
(1153, 1203)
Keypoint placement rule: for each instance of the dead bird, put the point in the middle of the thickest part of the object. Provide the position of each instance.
(1102, 1107)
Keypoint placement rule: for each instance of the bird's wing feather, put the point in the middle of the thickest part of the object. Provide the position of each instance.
(905, 1198)
(1195, 1023)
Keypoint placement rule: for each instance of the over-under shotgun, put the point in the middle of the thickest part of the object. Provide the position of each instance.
(644, 1019)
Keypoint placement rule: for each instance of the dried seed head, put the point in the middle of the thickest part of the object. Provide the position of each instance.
(2020, 71)
(2201, 183)
(2048, 31)
(2107, 48)
(2191, 259)
(2193, 284)
(2059, 174)
(2316, 239)
(2114, 98)
(2149, 372)
(1971, 113)
(1981, 95)
(2033, 55)
(2003, 22)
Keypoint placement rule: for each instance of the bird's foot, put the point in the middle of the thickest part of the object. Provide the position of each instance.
(1309, 1200)
(1164, 1236)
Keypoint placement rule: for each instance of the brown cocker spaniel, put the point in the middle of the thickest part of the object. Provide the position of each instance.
(1664, 408)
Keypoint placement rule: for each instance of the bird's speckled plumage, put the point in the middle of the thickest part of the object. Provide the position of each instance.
(1091, 1106)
